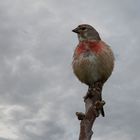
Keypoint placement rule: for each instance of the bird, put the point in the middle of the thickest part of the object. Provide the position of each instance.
(93, 59)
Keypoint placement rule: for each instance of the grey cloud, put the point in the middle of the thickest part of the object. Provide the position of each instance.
(3, 139)
(39, 93)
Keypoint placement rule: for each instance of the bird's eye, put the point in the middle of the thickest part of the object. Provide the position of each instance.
(83, 28)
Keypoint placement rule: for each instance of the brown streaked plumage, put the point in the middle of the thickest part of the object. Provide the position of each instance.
(93, 60)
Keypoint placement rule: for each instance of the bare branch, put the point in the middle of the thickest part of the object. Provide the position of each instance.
(93, 105)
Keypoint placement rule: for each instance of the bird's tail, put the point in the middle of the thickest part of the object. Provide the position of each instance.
(102, 112)
(102, 109)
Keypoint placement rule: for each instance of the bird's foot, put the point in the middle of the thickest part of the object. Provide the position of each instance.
(90, 93)
(99, 104)
(99, 107)
(97, 87)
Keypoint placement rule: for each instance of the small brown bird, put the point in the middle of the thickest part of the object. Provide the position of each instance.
(93, 60)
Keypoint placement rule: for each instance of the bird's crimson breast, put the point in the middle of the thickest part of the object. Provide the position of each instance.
(92, 46)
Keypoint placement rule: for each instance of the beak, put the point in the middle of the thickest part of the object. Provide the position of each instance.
(76, 30)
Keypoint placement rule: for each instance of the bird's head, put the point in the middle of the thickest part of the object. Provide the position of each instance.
(86, 32)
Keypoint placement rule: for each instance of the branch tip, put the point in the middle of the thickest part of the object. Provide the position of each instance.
(80, 115)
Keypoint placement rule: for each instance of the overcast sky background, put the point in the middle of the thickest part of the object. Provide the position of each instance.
(39, 93)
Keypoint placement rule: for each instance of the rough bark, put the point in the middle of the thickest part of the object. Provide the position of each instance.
(93, 105)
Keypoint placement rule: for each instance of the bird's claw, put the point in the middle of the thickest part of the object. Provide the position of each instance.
(89, 93)
(99, 104)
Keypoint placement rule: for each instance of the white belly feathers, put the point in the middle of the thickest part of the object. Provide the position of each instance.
(86, 68)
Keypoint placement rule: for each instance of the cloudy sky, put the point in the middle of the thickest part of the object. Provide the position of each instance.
(39, 94)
